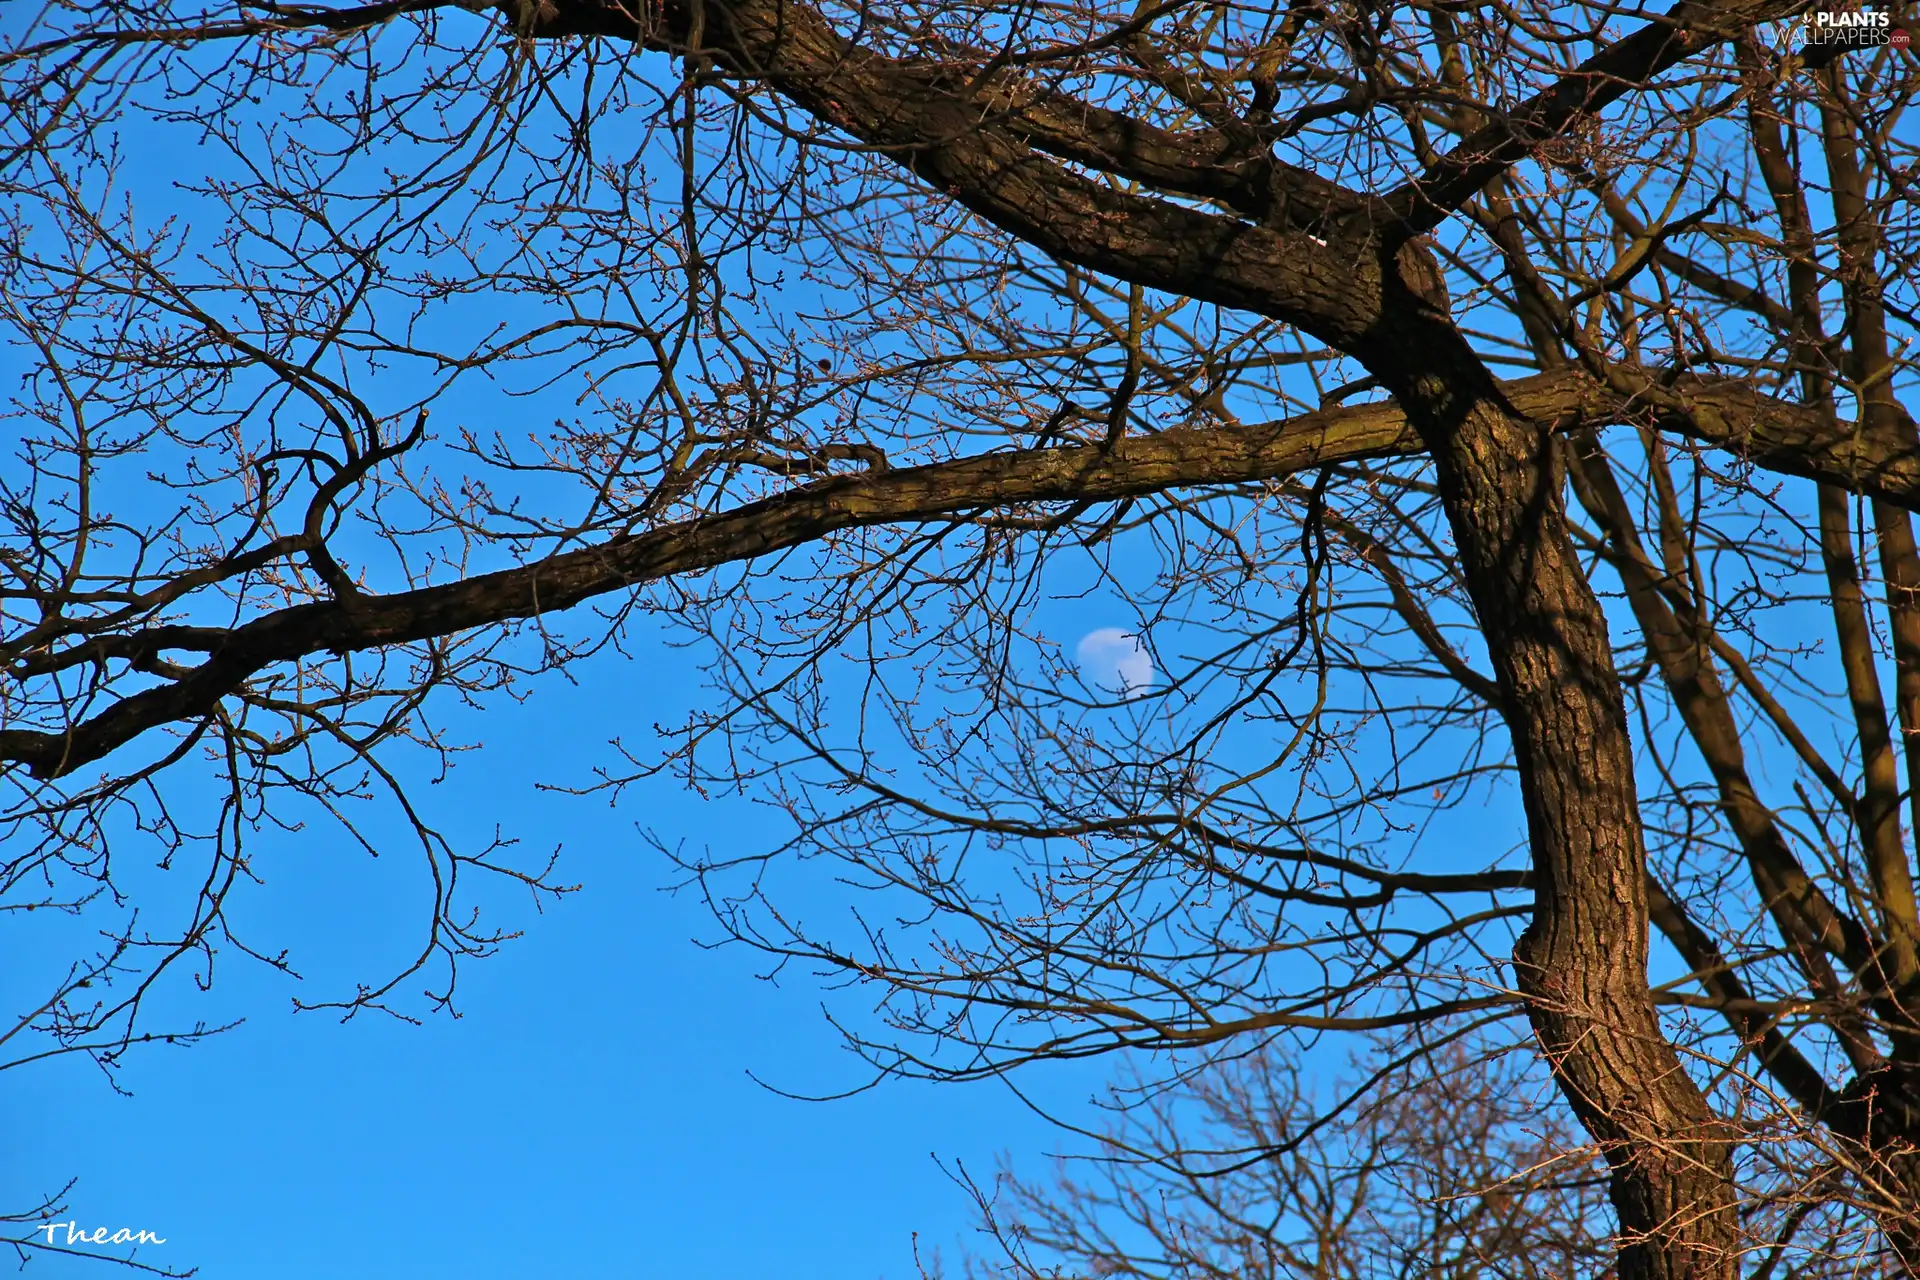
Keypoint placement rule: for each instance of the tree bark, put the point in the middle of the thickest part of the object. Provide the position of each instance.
(1582, 962)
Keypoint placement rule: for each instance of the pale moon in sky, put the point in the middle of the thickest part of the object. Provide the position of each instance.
(1112, 659)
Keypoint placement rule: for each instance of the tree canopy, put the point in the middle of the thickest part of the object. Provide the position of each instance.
(1492, 417)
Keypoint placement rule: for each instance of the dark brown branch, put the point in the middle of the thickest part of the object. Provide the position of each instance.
(1731, 415)
(1621, 68)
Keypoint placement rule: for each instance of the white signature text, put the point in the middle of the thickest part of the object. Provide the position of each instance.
(99, 1235)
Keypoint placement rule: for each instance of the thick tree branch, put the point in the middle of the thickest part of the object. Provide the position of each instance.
(1621, 68)
(1729, 415)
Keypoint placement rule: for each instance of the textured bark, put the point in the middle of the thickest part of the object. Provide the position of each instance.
(1582, 962)
(1341, 265)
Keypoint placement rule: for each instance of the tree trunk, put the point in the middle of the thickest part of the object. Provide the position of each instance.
(1582, 962)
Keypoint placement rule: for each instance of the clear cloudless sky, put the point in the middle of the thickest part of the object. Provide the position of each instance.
(590, 1115)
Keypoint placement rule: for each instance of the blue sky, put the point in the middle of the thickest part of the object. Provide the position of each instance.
(589, 1115)
(592, 1113)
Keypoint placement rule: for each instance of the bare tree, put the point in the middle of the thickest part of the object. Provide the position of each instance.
(1464, 1171)
(1492, 413)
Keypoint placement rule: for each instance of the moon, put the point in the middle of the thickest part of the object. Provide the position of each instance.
(1114, 660)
